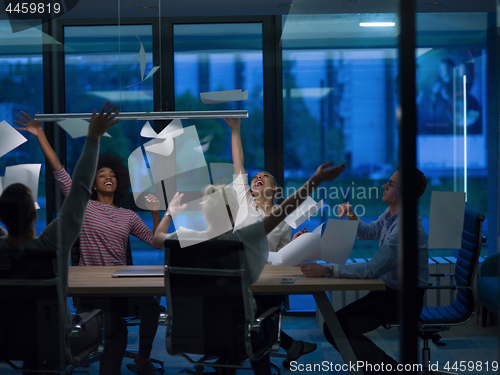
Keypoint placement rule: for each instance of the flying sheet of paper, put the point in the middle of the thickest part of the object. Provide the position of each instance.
(142, 61)
(338, 240)
(172, 130)
(215, 97)
(164, 147)
(10, 138)
(27, 174)
(76, 128)
(304, 248)
(205, 143)
(308, 208)
(446, 220)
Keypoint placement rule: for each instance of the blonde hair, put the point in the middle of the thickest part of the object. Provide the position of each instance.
(212, 203)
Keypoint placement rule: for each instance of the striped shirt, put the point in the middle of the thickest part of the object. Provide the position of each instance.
(105, 230)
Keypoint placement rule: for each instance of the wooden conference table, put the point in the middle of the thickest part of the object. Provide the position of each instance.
(97, 281)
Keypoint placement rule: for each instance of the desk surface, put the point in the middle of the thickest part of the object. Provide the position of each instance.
(98, 281)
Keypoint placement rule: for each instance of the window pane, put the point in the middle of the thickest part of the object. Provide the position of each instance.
(341, 93)
(21, 89)
(102, 63)
(451, 86)
(218, 57)
(339, 105)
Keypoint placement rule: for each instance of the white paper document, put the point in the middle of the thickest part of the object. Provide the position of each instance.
(446, 219)
(338, 240)
(172, 130)
(142, 62)
(334, 246)
(304, 248)
(215, 97)
(76, 128)
(27, 174)
(308, 208)
(10, 138)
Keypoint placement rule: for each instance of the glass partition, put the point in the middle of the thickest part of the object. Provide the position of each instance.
(21, 89)
(219, 57)
(341, 94)
(104, 63)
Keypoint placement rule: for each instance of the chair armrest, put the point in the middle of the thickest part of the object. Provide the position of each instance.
(82, 321)
(267, 314)
(256, 323)
(78, 324)
(162, 319)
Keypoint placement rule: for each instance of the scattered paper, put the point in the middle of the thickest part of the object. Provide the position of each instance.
(215, 97)
(304, 248)
(338, 240)
(205, 144)
(446, 220)
(164, 148)
(172, 130)
(308, 208)
(76, 128)
(27, 174)
(147, 131)
(142, 61)
(10, 138)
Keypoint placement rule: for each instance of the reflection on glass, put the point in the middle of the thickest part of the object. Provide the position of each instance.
(220, 57)
(340, 96)
(21, 89)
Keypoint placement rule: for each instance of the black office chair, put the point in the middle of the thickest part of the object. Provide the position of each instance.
(132, 318)
(438, 319)
(209, 306)
(35, 324)
(434, 320)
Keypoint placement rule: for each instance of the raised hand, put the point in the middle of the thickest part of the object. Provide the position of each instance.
(234, 123)
(174, 206)
(102, 121)
(299, 233)
(152, 203)
(29, 125)
(326, 172)
(345, 209)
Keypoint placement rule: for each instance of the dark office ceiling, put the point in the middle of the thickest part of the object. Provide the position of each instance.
(191, 8)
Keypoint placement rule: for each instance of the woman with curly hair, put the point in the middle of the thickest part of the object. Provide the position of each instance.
(106, 227)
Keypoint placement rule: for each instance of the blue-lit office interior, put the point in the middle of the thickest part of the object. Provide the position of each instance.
(323, 85)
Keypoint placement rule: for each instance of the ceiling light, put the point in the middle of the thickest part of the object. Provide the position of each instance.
(377, 24)
(289, 5)
(146, 8)
(147, 115)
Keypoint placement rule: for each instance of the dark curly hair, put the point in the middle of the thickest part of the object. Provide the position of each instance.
(114, 163)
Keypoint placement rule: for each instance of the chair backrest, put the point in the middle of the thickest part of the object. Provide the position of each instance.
(208, 299)
(467, 260)
(34, 319)
(462, 308)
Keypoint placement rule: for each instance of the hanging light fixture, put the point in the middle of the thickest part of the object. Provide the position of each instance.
(170, 115)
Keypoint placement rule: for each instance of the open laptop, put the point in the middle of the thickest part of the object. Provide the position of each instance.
(140, 272)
